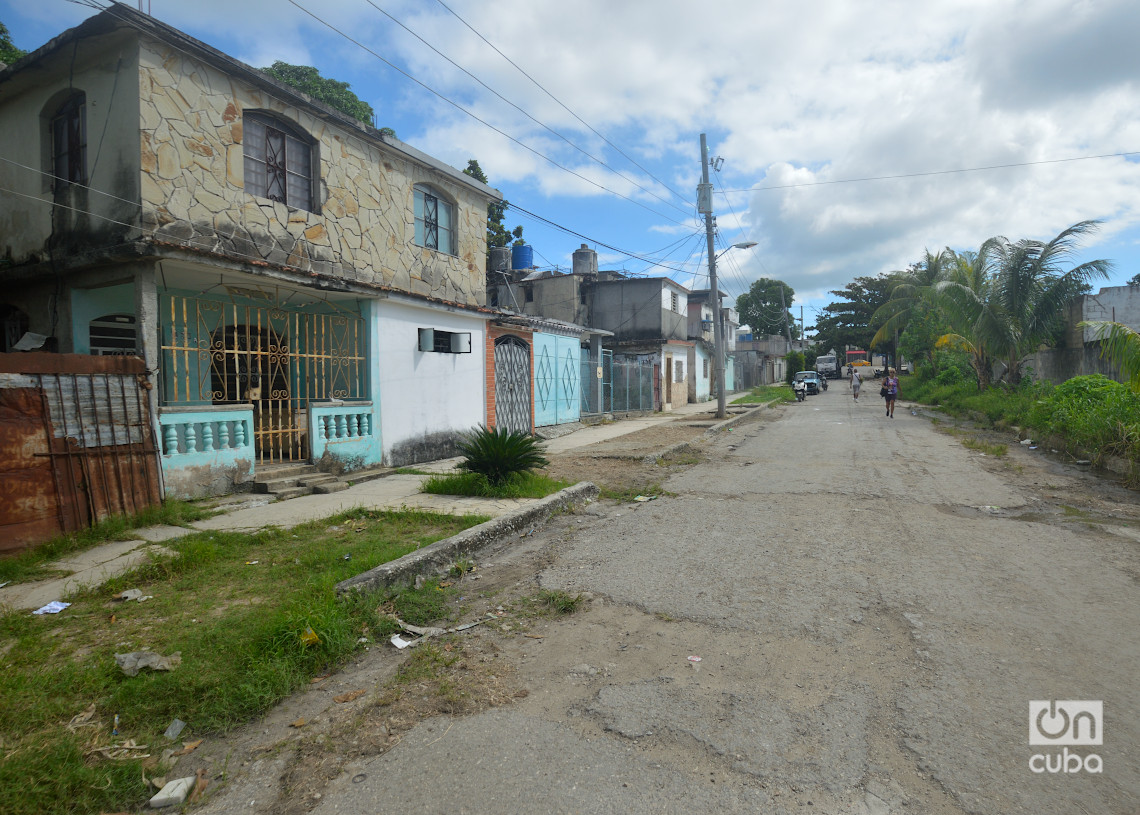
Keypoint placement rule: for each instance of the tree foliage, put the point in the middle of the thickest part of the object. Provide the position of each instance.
(9, 53)
(847, 322)
(330, 91)
(497, 234)
(998, 304)
(1120, 344)
(759, 307)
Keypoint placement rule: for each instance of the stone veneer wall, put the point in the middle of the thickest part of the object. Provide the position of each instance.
(193, 188)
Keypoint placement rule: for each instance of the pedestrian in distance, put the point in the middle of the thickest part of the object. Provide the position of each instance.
(856, 383)
(891, 386)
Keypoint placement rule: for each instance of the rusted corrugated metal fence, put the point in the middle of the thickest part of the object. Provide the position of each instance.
(76, 444)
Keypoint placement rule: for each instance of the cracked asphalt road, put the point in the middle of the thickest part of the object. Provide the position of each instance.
(873, 606)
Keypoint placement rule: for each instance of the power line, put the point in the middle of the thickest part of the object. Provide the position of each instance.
(936, 172)
(569, 231)
(543, 125)
(563, 106)
(481, 121)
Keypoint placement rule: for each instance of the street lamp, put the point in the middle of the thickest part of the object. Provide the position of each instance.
(718, 326)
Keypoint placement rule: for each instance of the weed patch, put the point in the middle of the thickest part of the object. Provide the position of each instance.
(29, 565)
(515, 485)
(766, 393)
(996, 450)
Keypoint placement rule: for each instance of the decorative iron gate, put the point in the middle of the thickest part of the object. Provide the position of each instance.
(276, 359)
(512, 384)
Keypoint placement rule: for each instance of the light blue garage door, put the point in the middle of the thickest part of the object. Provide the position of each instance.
(557, 379)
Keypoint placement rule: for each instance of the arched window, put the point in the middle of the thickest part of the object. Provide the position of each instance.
(435, 221)
(279, 161)
(113, 335)
(69, 141)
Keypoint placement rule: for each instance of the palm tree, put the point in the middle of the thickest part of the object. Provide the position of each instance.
(962, 296)
(1121, 345)
(912, 296)
(1012, 297)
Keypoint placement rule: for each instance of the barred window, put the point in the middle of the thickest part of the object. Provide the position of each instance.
(435, 221)
(279, 162)
(69, 141)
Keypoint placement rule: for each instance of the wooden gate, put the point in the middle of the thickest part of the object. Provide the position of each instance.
(76, 444)
(512, 384)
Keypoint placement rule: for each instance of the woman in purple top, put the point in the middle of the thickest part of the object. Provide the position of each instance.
(892, 386)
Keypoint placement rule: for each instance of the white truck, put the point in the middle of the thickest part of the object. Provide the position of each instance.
(826, 366)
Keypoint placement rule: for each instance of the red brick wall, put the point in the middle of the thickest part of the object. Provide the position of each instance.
(493, 333)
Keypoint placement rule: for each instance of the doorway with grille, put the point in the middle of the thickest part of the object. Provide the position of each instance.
(277, 360)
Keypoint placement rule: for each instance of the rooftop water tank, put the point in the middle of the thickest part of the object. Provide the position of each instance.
(500, 258)
(522, 257)
(585, 261)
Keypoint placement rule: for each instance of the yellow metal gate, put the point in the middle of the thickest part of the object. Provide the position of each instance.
(276, 359)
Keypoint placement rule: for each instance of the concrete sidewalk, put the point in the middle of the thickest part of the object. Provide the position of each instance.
(254, 512)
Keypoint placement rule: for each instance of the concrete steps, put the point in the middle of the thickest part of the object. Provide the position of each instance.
(285, 481)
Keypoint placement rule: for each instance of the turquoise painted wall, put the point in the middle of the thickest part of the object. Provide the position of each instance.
(91, 304)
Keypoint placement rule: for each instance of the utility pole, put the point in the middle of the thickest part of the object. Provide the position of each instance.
(704, 205)
(787, 326)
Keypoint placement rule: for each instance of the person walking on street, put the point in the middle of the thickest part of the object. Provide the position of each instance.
(892, 386)
(856, 383)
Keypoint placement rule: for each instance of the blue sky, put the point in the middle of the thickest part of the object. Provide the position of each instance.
(588, 115)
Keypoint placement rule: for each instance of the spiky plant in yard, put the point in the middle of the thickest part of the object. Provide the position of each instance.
(497, 454)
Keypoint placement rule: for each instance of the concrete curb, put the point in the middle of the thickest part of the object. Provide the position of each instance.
(684, 446)
(442, 554)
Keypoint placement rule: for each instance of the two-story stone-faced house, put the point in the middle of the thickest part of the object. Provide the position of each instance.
(297, 283)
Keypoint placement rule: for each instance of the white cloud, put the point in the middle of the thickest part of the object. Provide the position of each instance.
(819, 90)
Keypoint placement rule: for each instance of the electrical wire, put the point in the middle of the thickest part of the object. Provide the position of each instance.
(543, 125)
(472, 114)
(688, 201)
(937, 172)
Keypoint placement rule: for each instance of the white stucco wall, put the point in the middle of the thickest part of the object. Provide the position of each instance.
(426, 398)
(700, 380)
(667, 293)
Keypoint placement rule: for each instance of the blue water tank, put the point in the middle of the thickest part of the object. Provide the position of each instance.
(522, 257)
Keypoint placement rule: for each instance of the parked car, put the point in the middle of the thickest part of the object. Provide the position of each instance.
(811, 379)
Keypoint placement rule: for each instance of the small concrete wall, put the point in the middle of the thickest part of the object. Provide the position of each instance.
(344, 432)
(440, 555)
(206, 450)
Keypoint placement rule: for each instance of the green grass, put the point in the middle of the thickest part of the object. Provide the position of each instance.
(627, 494)
(559, 601)
(29, 565)
(766, 393)
(996, 450)
(548, 603)
(235, 606)
(410, 471)
(516, 485)
(1086, 416)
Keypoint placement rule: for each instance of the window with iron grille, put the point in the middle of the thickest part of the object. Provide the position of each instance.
(279, 162)
(113, 335)
(706, 369)
(69, 142)
(435, 221)
(674, 303)
(678, 372)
